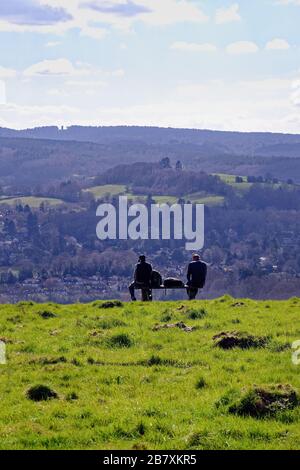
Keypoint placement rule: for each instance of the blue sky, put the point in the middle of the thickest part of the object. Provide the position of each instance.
(217, 64)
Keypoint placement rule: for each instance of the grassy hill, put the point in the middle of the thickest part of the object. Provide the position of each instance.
(120, 381)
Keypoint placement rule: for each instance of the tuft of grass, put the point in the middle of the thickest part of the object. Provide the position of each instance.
(141, 429)
(110, 323)
(72, 396)
(237, 339)
(260, 402)
(166, 317)
(201, 383)
(155, 361)
(50, 360)
(15, 319)
(46, 314)
(120, 341)
(111, 304)
(41, 393)
(139, 446)
(197, 314)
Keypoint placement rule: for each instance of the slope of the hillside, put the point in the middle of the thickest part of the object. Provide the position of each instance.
(122, 382)
(236, 142)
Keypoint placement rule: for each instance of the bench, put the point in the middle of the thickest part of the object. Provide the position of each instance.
(162, 287)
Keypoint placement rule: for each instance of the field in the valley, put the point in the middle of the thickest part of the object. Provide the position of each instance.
(31, 201)
(117, 380)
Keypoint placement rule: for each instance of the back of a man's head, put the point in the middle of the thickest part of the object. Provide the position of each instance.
(196, 257)
(142, 259)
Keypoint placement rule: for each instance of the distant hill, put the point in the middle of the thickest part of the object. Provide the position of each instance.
(48, 154)
(280, 150)
(236, 142)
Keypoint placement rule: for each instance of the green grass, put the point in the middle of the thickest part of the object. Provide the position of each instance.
(111, 189)
(195, 198)
(245, 186)
(231, 180)
(198, 198)
(115, 190)
(165, 199)
(228, 179)
(31, 201)
(121, 385)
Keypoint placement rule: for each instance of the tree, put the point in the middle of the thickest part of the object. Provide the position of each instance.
(179, 166)
(32, 224)
(25, 273)
(165, 163)
(10, 228)
(239, 179)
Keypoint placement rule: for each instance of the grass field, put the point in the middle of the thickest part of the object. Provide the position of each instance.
(122, 385)
(231, 180)
(115, 190)
(245, 186)
(197, 198)
(31, 201)
(111, 189)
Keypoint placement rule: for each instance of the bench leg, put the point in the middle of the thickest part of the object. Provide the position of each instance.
(192, 292)
(146, 295)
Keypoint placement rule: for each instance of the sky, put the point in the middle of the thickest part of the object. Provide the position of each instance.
(213, 64)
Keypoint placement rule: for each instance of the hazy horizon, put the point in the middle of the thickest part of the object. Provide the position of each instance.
(95, 126)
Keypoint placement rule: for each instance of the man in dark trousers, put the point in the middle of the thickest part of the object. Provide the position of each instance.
(142, 279)
(196, 276)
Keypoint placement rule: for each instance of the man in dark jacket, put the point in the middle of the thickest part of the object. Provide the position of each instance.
(142, 279)
(196, 276)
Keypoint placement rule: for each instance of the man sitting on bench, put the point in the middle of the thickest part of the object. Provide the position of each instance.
(142, 280)
(196, 276)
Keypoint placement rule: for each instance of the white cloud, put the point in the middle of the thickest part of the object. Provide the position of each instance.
(2, 92)
(32, 12)
(58, 67)
(152, 12)
(94, 22)
(242, 47)
(118, 73)
(16, 116)
(53, 44)
(78, 88)
(288, 2)
(88, 87)
(7, 73)
(277, 45)
(244, 105)
(295, 93)
(260, 105)
(57, 92)
(228, 15)
(173, 11)
(193, 47)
